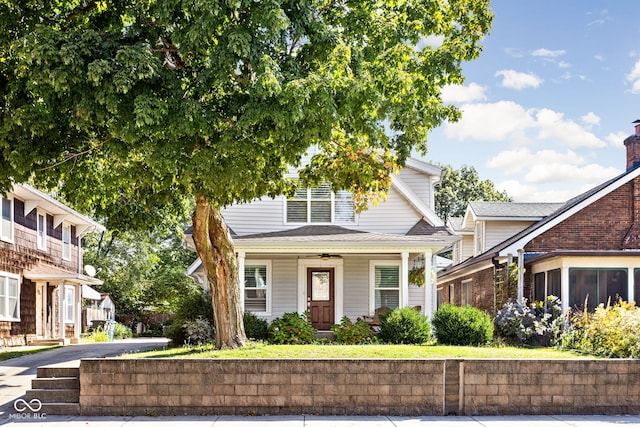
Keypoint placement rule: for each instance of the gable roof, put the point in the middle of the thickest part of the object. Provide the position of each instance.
(519, 240)
(415, 201)
(512, 210)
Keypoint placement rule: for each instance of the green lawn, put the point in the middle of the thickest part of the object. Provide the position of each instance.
(373, 351)
(10, 354)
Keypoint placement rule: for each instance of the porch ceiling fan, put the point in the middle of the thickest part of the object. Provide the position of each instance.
(324, 256)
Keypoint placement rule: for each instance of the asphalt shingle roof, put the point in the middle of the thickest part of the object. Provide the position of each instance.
(513, 209)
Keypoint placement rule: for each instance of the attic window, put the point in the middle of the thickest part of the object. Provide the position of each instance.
(320, 206)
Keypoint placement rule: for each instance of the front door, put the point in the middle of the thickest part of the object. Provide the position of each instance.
(320, 297)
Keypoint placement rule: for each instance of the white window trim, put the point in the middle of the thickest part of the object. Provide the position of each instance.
(69, 290)
(11, 237)
(372, 281)
(479, 237)
(41, 245)
(68, 256)
(267, 263)
(452, 294)
(17, 277)
(308, 221)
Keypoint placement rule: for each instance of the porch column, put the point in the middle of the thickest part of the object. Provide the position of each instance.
(564, 288)
(631, 294)
(78, 313)
(61, 309)
(404, 281)
(520, 275)
(429, 286)
(241, 256)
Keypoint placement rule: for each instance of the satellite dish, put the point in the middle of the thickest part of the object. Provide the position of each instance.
(90, 270)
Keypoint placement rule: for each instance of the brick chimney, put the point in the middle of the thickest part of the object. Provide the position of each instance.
(633, 147)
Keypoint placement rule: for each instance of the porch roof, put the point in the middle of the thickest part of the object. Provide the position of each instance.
(50, 273)
(331, 237)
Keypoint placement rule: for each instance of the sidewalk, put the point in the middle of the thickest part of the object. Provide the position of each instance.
(350, 421)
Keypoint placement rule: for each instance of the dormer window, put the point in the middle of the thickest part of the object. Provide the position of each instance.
(320, 205)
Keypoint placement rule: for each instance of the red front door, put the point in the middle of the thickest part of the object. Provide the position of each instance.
(320, 297)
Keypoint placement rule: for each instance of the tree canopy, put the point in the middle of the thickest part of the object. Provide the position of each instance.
(459, 187)
(132, 107)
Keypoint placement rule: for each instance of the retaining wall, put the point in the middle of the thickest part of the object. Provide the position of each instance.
(358, 387)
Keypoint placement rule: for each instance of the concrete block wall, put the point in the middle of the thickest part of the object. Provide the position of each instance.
(246, 387)
(358, 387)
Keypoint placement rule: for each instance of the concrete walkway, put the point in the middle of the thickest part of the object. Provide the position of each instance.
(317, 421)
(16, 374)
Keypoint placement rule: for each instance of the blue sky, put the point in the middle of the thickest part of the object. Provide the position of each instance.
(548, 104)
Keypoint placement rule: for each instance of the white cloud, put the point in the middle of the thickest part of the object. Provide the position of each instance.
(561, 172)
(546, 53)
(563, 64)
(463, 94)
(590, 119)
(634, 78)
(514, 52)
(521, 159)
(553, 127)
(616, 139)
(491, 122)
(599, 58)
(516, 80)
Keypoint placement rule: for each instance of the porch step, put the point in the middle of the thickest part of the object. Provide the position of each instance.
(57, 388)
(45, 342)
(327, 335)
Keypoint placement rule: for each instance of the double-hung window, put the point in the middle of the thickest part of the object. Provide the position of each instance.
(6, 228)
(320, 205)
(41, 225)
(69, 304)
(66, 242)
(466, 295)
(385, 277)
(257, 286)
(9, 297)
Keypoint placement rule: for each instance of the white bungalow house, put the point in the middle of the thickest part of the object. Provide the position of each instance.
(314, 253)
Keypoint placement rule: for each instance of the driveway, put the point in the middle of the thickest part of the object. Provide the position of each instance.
(16, 374)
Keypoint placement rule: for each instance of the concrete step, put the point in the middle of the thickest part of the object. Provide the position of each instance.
(58, 372)
(56, 383)
(54, 396)
(60, 409)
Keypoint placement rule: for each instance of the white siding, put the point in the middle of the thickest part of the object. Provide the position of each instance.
(285, 287)
(395, 216)
(356, 287)
(419, 182)
(497, 231)
(260, 216)
(416, 296)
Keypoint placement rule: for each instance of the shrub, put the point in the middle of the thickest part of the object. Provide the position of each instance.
(611, 331)
(347, 332)
(404, 326)
(97, 335)
(255, 327)
(198, 331)
(121, 331)
(536, 324)
(454, 325)
(292, 328)
(194, 305)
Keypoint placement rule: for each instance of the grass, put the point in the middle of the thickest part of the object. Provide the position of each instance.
(373, 351)
(11, 354)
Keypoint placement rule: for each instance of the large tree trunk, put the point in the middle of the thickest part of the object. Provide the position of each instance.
(215, 247)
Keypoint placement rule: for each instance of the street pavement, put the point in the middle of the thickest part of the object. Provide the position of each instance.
(350, 421)
(16, 375)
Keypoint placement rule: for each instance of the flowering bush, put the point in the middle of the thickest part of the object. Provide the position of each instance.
(347, 332)
(536, 324)
(292, 328)
(610, 331)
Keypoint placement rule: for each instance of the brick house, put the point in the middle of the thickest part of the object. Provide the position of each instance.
(41, 268)
(586, 250)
